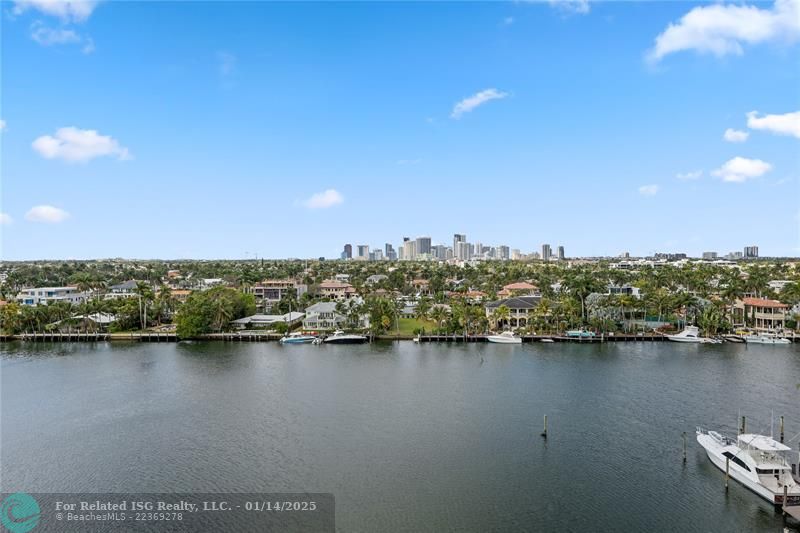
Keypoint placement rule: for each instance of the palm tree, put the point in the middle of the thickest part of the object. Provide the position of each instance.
(501, 316)
(439, 315)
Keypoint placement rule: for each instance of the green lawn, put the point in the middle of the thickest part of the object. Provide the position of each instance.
(408, 325)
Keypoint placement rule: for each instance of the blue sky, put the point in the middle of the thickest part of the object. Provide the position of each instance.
(205, 130)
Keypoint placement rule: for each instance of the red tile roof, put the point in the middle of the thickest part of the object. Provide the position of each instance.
(764, 302)
(519, 286)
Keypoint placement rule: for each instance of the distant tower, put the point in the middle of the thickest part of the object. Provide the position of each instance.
(457, 238)
(423, 245)
(750, 252)
(347, 253)
(546, 252)
(561, 253)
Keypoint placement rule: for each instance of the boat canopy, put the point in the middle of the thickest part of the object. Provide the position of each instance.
(762, 442)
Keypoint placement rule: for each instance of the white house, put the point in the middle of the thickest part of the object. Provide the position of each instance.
(323, 316)
(267, 321)
(45, 295)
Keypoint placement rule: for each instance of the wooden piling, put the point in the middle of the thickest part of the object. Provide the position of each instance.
(544, 433)
(784, 505)
(781, 429)
(744, 425)
(727, 471)
(684, 446)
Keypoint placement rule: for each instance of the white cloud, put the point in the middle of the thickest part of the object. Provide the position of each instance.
(649, 190)
(722, 29)
(46, 213)
(580, 7)
(5, 218)
(689, 176)
(741, 169)
(76, 145)
(787, 124)
(324, 199)
(735, 136)
(47, 36)
(471, 102)
(66, 10)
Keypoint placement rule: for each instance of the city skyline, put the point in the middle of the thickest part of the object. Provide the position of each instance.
(283, 130)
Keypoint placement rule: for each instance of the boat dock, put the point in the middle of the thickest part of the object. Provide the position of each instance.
(618, 337)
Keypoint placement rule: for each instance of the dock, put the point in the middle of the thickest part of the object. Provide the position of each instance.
(617, 337)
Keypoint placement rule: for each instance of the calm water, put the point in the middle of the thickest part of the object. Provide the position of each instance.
(407, 437)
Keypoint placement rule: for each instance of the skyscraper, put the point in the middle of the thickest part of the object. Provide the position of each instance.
(561, 253)
(462, 250)
(750, 251)
(347, 253)
(363, 251)
(457, 238)
(503, 252)
(423, 245)
(409, 249)
(546, 252)
(390, 254)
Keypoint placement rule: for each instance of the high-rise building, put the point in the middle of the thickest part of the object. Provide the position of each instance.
(409, 249)
(750, 251)
(457, 238)
(546, 252)
(709, 255)
(516, 255)
(347, 253)
(503, 253)
(462, 250)
(376, 255)
(363, 251)
(423, 245)
(439, 252)
(561, 253)
(389, 252)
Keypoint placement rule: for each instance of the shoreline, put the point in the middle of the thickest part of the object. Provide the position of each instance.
(273, 337)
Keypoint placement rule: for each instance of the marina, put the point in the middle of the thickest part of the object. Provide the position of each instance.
(383, 426)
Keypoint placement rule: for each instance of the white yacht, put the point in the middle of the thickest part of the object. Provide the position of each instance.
(758, 462)
(692, 334)
(507, 337)
(340, 337)
(766, 338)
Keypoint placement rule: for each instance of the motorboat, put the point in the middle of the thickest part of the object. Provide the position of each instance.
(340, 337)
(691, 334)
(507, 337)
(758, 462)
(580, 333)
(547, 340)
(297, 338)
(766, 338)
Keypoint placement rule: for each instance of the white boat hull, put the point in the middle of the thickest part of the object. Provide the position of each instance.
(762, 340)
(499, 339)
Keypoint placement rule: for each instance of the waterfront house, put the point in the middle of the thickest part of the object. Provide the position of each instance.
(520, 311)
(336, 290)
(126, 289)
(375, 278)
(323, 316)
(267, 321)
(760, 314)
(270, 291)
(46, 295)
